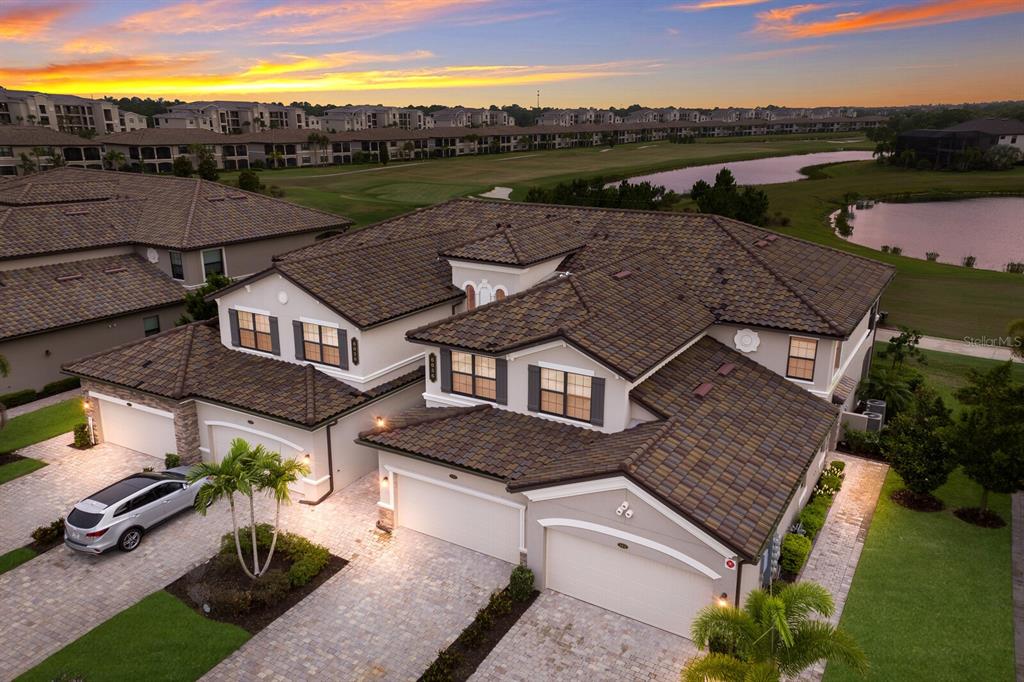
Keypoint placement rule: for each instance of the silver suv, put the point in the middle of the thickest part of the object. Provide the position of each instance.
(120, 513)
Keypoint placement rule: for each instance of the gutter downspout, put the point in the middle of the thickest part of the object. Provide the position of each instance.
(739, 575)
(330, 471)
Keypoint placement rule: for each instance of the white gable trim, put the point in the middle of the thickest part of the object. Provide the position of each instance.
(134, 405)
(621, 483)
(667, 360)
(635, 539)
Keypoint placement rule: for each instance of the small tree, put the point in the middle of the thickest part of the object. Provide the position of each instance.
(182, 167)
(26, 164)
(207, 166)
(1016, 334)
(196, 306)
(988, 439)
(894, 385)
(249, 181)
(276, 159)
(913, 442)
(903, 347)
(113, 160)
(772, 636)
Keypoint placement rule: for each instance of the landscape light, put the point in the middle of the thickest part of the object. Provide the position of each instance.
(723, 600)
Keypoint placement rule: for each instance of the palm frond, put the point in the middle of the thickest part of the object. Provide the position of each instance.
(715, 668)
(724, 622)
(802, 599)
(815, 641)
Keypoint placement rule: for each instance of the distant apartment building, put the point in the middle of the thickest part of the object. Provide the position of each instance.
(348, 118)
(66, 113)
(462, 117)
(223, 116)
(33, 148)
(573, 117)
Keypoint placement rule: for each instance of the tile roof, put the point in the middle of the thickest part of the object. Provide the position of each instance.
(740, 273)
(47, 297)
(68, 209)
(992, 126)
(522, 245)
(729, 460)
(31, 136)
(630, 315)
(191, 362)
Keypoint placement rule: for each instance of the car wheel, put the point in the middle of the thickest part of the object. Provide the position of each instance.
(130, 539)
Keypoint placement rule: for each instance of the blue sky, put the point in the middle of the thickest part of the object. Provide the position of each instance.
(477, 52)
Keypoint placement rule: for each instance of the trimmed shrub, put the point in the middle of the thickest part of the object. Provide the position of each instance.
(308, 558)
(18, 398)
(861, 442)
(171, 460)
(795, 550)
(59, 386)
(812, 517)
(83, 439)
(520, 585)
(443, 666)
(837, 465)
(270, 588)
(500, 603)
(229, 601)
(45, 535)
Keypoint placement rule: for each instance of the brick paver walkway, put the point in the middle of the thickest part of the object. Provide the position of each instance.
(40, 497)
(836, 552)
(1017, 526)
(561, 638)
(384, 616)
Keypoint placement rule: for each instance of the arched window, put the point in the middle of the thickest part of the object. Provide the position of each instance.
(484, 294)
(470, 297)
(499, 295)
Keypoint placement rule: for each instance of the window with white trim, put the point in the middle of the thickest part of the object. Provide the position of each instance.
(254, 331)
(800, 364)
(565, 394)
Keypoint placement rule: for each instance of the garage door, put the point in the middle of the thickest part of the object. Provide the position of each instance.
(461, 518)
(223, 434)
(137, 429)
(603, 574)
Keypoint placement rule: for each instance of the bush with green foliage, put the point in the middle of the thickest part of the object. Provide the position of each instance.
(16, 398)
(812, 517)
(443, 667)
(307, 558)
(83, 439)
(861, 442)
(795, 550)
(196, 306)
(172, 460)
(182, 167)
(50, 533)
(594, 192)
(913, 443)
(60, 386)
(249, 181)
(520, 585)
(726, 198)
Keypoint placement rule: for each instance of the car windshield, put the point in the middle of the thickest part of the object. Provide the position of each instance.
(81, 519)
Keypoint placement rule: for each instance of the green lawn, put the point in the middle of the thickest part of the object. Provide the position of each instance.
(12, 470)
(371, 192)
(940, 300)
(160, 638)
(15, 558)
(931, 599)
(946, 372)
(42, 424)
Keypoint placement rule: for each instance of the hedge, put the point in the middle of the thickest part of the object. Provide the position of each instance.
(795, 550)
(29, 395)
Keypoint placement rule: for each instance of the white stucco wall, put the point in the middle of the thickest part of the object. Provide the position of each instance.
(512, 279)
(773, 353)
(617, 410)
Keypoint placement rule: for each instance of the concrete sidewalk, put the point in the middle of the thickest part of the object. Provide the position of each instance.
(43, 402)
(976, 350)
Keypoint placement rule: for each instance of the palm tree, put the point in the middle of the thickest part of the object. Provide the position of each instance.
(891, 384)
(39, 153)
(318, 141)
(113, 159)
(5, 369)
(26, 164)
(771, 637)
(276, 159)
(1016, 333)
(276, 476)
(223, 479)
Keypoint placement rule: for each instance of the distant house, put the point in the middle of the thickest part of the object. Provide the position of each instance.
(941, 147)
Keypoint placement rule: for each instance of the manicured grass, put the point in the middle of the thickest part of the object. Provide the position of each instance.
(939, 299)
(931, 599)
(42, 424)
(160, 638)
(946, 372)
(12, 470)
(371, 192)
(15, 558)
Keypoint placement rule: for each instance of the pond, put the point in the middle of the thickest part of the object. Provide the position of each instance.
(991, 229)
(756, 172)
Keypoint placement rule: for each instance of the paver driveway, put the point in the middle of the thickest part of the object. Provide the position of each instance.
(384, 616)
(561, 638)
(40, 497)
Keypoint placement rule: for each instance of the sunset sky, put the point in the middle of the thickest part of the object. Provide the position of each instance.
(693, 53)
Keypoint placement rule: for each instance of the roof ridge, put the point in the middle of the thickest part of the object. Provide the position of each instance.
(628, 464)
(310, 394)
(506, 233)
(191, 212)
(448, 413)
(777, 275)
(186, 353)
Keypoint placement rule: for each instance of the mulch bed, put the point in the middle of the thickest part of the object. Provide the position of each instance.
(980, 517)
(917, 501)
(471, 656)
(8, 457)
(211, 576)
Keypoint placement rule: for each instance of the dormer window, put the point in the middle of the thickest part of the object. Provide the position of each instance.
(254, 331)
(474, 375)
(565, 394)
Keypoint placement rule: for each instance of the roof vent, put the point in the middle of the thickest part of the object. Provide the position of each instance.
(68, 278)
(761, 243)
(725, 369)
(703, 389)
(220, 198)
(237, 197)
(772, 237)
(622, 274)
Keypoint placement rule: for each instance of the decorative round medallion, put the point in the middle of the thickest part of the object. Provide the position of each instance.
(282, 297)
(152, 256)
(747, 340)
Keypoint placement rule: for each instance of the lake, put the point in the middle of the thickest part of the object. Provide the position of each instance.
(756, 172)
(991, 229)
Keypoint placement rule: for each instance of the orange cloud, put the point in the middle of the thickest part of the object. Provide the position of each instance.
(716, 4)
(23, 22)
(191, 16)
(309, 21)
(781, 22)
(299, 63)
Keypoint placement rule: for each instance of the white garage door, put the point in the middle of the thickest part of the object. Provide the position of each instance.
(480, 524)
(618, 580)
(222, 435)
(137, 429)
